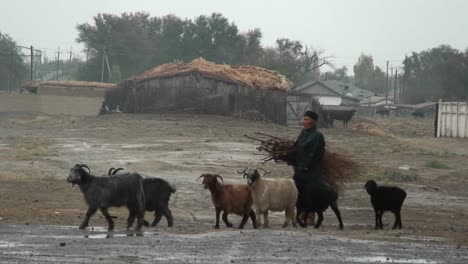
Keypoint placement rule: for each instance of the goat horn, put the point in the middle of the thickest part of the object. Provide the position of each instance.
(241, 172)
(117, 170)
(110, 171)
(201, 176)
(85, 166)
(266, 172)
(219, 176)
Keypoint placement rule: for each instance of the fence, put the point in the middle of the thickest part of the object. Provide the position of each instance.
(452, 119)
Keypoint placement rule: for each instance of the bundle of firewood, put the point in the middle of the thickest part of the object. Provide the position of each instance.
(339, 168)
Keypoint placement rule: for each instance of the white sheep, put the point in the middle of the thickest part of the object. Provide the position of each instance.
(272, 195)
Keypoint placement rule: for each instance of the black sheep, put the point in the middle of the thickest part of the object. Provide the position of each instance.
(104, 192)
(316, 197)
(157, 195)
(385, 198)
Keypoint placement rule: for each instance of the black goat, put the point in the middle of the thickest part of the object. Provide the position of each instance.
(316, 197)
(343, 115)
(157, 195)
(383, 112)
(104, 192)
(384, 198)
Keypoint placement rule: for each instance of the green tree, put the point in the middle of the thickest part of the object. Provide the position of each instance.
(368, 76)
(12, 67)
(440, 72)
(291, 58)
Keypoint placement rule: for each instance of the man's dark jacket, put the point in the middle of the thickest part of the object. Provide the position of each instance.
(310, 149)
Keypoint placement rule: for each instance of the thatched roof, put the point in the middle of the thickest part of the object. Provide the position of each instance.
(67, 84)
(251, 76)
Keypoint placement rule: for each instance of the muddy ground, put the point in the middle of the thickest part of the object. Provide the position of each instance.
(37, 151)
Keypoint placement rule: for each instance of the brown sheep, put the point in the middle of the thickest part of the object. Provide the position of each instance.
(229, 198)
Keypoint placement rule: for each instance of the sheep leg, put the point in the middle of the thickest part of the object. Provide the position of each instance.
(376, 220)
(291, 216)
(380, 219)
(245, 217)
(253, 218)
(109, 220)
(334, 207)
(168, 214)
(397, 222)
(225, 219)
(140, 214)
(89, 213)
(287, 217)
(157, 218)
(320, 219)
(265, 219)
(131, 218)
(259, 222)
(218, 212)
(301, 222)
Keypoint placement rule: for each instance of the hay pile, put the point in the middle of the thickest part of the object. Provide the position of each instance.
(251, 76)
(373, 129)
(339, 168)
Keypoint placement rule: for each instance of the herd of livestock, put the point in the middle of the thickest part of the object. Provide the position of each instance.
(259, 196)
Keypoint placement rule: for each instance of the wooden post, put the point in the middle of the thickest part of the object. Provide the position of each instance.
(439, 118)
(386, 87)
(32, 65)
(102, 66)
(395, 86)
(58, 64)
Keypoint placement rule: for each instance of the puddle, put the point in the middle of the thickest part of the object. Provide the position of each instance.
(6, 244)
(383, 259)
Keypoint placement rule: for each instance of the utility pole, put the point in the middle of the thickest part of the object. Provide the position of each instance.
(71, 51)
(395, 86)
(386, 87)
(103, 61)
(32, 65)
(405, 76)
(58, 64)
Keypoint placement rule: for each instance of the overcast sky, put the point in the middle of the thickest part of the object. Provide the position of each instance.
(343, 29)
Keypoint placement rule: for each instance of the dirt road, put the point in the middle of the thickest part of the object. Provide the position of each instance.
(37, 151)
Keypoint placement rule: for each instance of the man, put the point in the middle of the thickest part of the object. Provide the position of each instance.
(310, 149)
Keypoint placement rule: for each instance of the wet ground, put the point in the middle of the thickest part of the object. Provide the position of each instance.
(64, 244)
(40, 211)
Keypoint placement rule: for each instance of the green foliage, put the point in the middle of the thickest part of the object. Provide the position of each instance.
(11, 63)
(137, 42)
(367, 76)
(440, 72)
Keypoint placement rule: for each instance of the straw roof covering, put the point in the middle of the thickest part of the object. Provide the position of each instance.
(251, 76)
(68, 84)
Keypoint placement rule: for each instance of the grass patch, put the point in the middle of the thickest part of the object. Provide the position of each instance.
(30, 148)
(434, 164)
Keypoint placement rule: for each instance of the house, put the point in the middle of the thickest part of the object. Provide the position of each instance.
(336, 102)
(328, 93)
(201, 86)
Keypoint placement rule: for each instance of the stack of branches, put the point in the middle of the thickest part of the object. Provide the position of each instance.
(339, 168)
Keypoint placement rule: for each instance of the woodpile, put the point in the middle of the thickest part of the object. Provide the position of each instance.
(339, 168)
